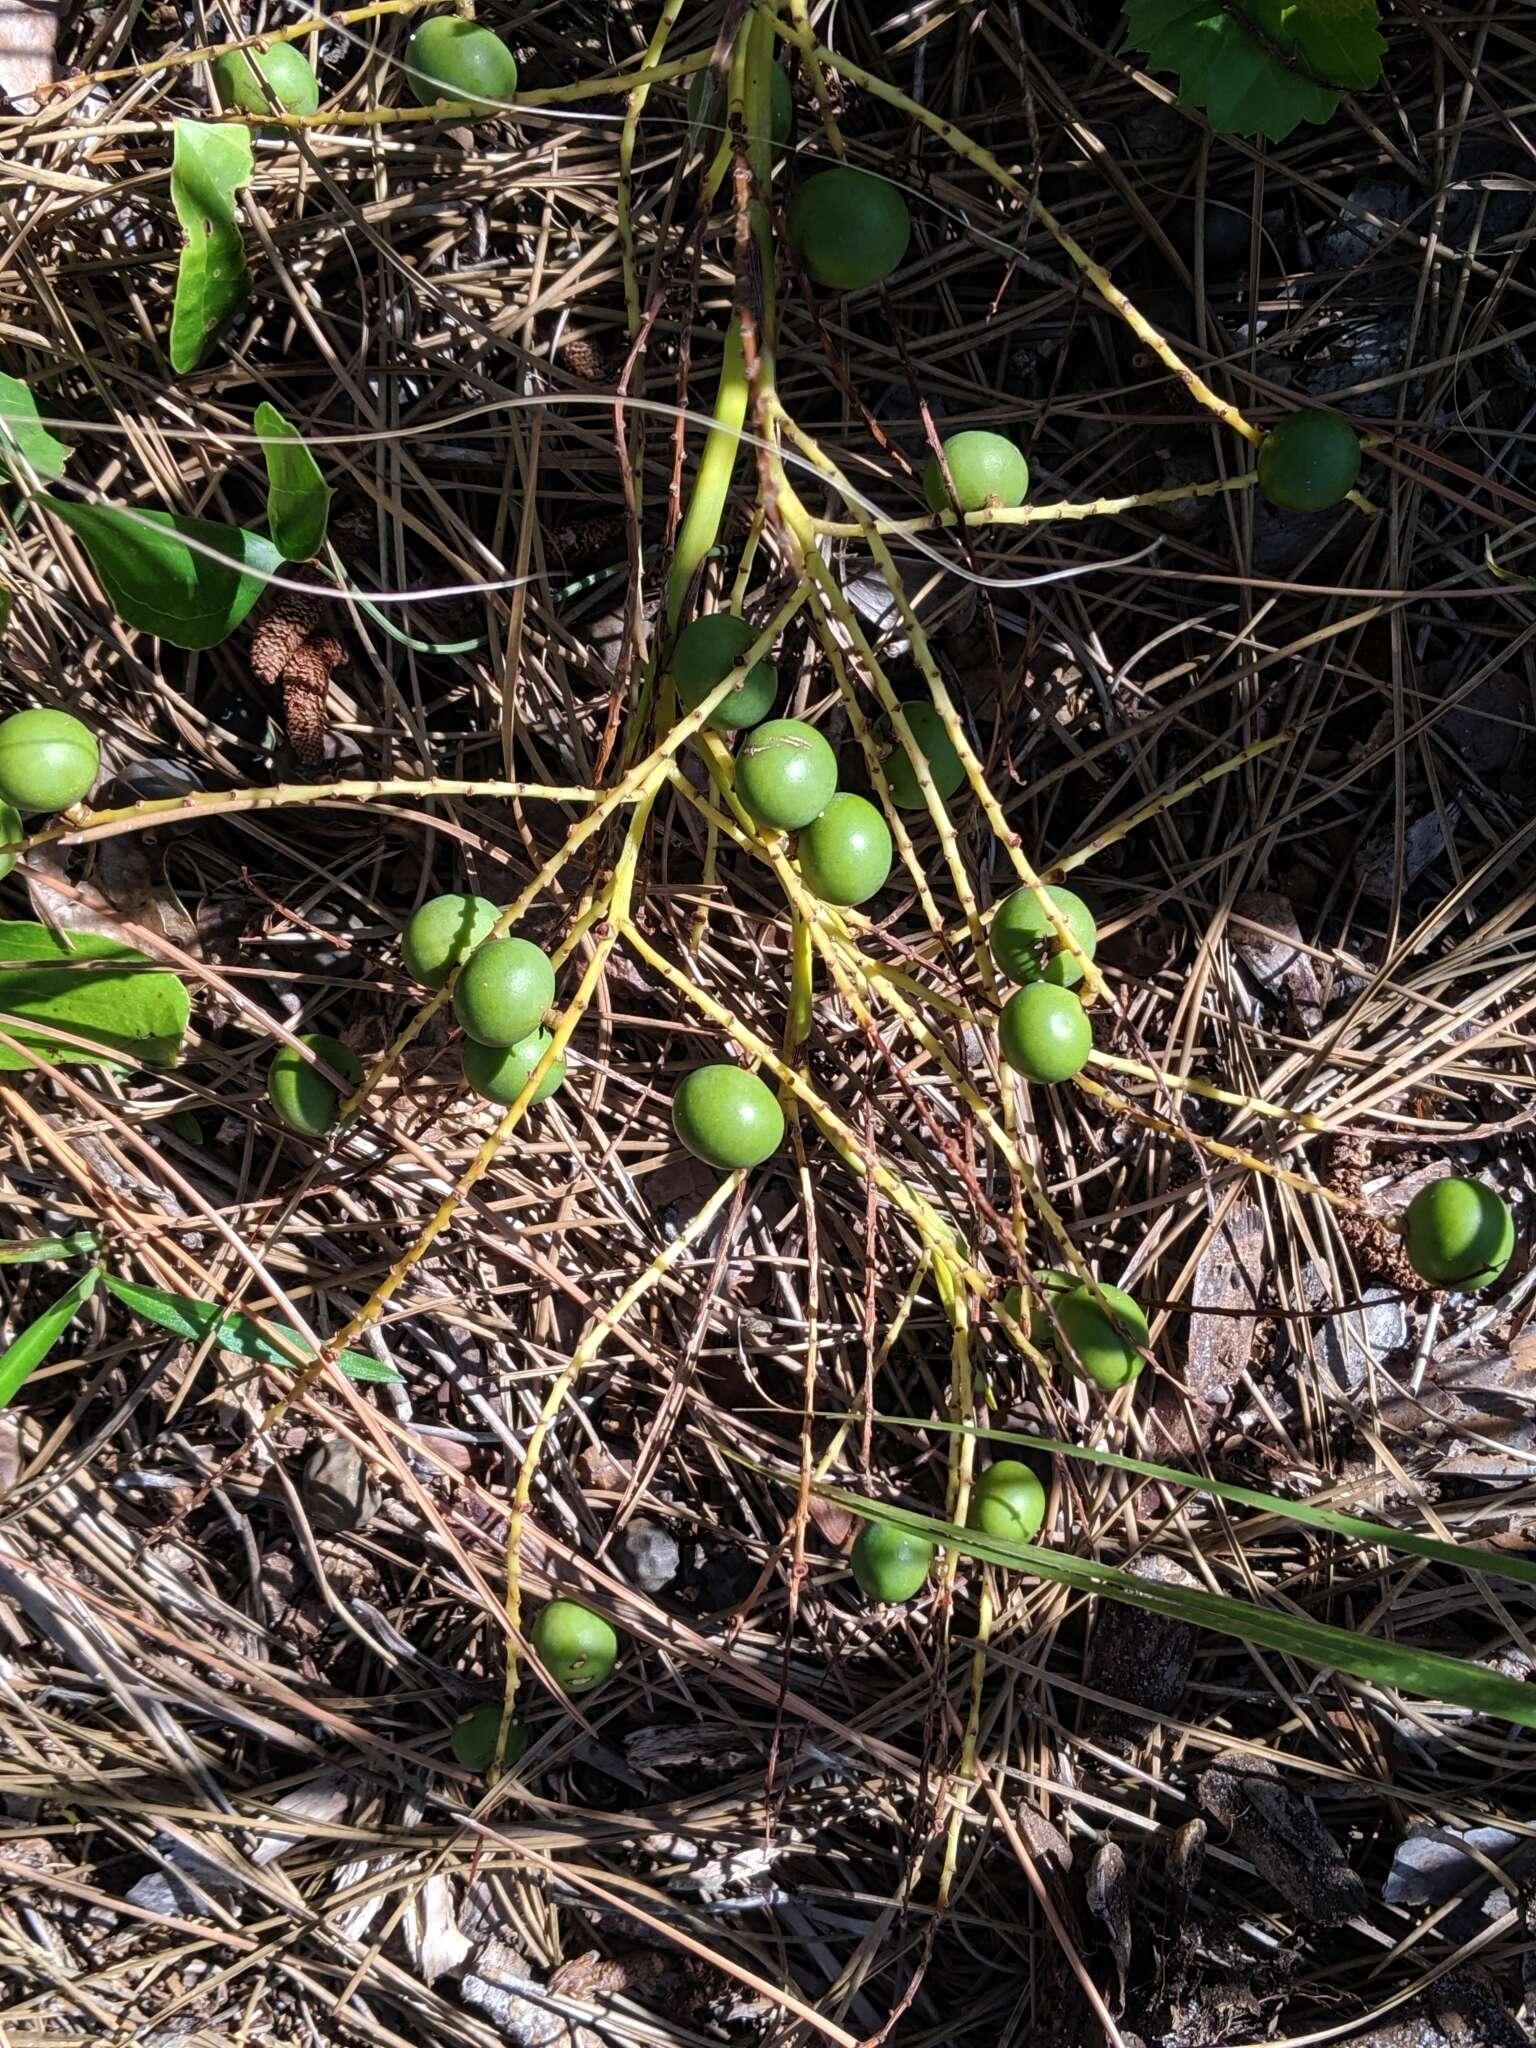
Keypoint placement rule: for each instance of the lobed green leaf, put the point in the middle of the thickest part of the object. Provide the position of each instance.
(1264, 84)
(210, 162)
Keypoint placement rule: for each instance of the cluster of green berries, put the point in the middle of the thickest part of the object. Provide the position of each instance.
(446, 59)
(578, 1649)
(892, 1565)
(1044, 1030)
(48, 761)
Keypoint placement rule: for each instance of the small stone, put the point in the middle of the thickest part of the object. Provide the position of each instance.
(648, 1556)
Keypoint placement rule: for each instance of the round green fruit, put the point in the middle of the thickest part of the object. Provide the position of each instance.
(890, 1564)
(443, 933)
(786, 774)
(473, 1739)
(727, 1117)
(449, 59)
(1024, 941)
(48, 760)
(504, 989)
(845, 854)
(705, 654)
(1030, 1312)
(1044, 1032)
(500, 1073)
(1007, 1501)
(936, 747)
(1459, 1233)
(781, 119)
(1092, 1345)
(850, 228)
(1310, 461)
(576, 1647)
(288, 73)
(11, 829)
(304, 1100)
(986, 469)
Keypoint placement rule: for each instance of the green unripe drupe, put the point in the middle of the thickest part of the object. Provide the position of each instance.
(845, 854)
(706, 652)
(781, 118)
(289, 76)
(48, 760)
(500, 1073)
(1044, 1032)
(576, 1647)
(890, 1564)
(1007, 1501)
(937, 748)
(1091, 1345)
(504, 989)
(1459, 1233)
(850, 228)
(1310, 461)
(473, 1739)
(1028, 1310)
(986, 469)
(786, 774)
(1024, 941)
(443, 933)
(11, 830)
(449, 59)
(303, 1098)
(727, 1117)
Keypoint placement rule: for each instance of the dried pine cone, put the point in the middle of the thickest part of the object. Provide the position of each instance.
(289, 652)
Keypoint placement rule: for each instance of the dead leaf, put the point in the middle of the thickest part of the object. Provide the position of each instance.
(1281, 1836)
(1267, 940)
(1219, 1348)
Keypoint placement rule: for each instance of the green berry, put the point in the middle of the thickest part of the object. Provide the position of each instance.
(1029, 1312)
(890, 1564)
(11, 829)
(1310, 461)
(1024, 941)
(473, 1739)
(785, 774)
(504, 989)
(289, 76)
(845, 854)
(850, 228)
(705, 654)
(727, 1117)
(1007, 1501)
(986, 469)
(1045, 1033)
(576, 1647)
(443, 933)
(449, 59)
(305, 1100)
(781, 119)
(1090, 1342)
(1459, 1233)
(48, 760)
(936, 747)
(500, 1073)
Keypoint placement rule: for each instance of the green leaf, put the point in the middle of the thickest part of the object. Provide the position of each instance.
(20, 428)
(32, 1251)
(209, 164)
(124, 1008)
(1245, 90)
(191, 581)
(21, 1359)
(1427, 1672)
(298, 496)
(197, 1320)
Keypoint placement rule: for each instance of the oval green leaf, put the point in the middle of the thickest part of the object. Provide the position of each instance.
(190, 581)
(106, 993)
(276, 1344)
(26, 1353)
(209, 164)
(298, 496)
(22, 431)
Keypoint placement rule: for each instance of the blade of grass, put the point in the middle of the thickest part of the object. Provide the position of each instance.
(26, 1353)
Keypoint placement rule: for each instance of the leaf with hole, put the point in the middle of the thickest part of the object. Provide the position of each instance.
(210, 162)
(23, 433)
(27, 1352)
(269, 1344)
(190, 581)
(298, 496)
(86, 986)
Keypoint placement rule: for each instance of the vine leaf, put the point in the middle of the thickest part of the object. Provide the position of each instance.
(298, 496)
(91, 987)
(21, 1358)
(191, 581)
(21, 430)
(1245, 87)
(209, 164)
(196, 1320)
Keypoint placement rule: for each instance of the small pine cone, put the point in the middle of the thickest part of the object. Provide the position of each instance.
(582, 357)
(290, 653)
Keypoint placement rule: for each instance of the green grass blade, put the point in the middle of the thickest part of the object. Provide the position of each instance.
(198, 1321)
(26, 1353)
